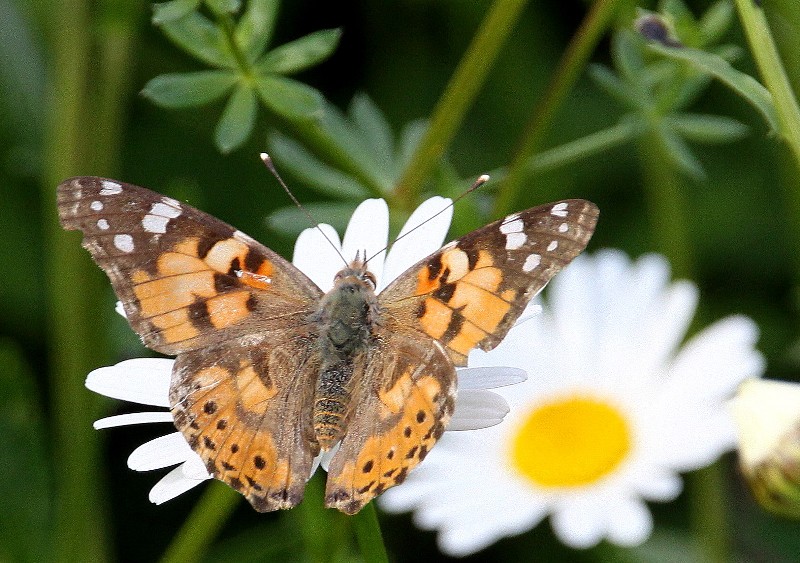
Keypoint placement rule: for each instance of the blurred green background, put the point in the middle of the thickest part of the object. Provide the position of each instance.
(722, 201)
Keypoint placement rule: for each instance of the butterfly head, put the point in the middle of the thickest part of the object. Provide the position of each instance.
(356, 273)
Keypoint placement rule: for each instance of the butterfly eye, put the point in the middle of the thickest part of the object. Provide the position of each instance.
(369, 277)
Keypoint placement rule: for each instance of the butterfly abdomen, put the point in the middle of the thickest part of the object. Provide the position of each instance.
(346, 316)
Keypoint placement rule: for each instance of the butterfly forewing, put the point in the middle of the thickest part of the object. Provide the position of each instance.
(185, 278)
(471, 292)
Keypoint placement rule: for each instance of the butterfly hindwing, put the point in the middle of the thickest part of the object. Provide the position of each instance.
(403, 402)
(245, 407)
(470, 293)
(185, 278)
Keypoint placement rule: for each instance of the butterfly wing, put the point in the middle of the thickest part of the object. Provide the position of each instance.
(470, 293)
(403, 399)
(245, 407)
(185, 278)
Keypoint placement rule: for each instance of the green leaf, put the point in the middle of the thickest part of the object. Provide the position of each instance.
(255, 27)
(716, 21)
(300, 54)
(614, 87)
(173, 10)
(289, 98)
(680, 154)
(196, 35)
(237, 120)
(290, 221)
(743, 84)
(707, 128)
(273, 541)
(319, 176)
(627, 56)
(410, 137)
(25, 496)
(189, 89)
(222, 7)
(373, 129)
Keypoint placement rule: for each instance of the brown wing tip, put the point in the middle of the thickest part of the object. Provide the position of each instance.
(276, 500)
(344, 502)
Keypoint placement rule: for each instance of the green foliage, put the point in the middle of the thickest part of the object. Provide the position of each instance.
(236, 48)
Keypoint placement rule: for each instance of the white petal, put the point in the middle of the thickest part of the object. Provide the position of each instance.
(316, 257)
(425, 240)
(326, 457)
(164, 451)
(194, 468)
(132, 418)
(173, 484)
(477, 409)
(578, 524)
(630, 523)
(141, 380)
(662, 486)
(120, 309)
(368, 230)
(489, 377)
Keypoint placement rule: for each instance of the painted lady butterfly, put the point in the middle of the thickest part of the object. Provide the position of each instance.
(270, 371)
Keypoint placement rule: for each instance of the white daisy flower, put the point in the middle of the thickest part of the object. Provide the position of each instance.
(613, 410)
(146, 380)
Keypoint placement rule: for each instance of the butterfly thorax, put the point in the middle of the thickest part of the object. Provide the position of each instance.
(347, 317)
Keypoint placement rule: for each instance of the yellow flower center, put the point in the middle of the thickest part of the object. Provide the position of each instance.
(571, 442)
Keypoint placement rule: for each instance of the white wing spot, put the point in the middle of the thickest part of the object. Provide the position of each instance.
(513, 226)
(102, 224)
(160, 214)
(124, 243)
(552, 246)
(171, 202)
(515, 240)
(559, 209)
(563, 228)
(531, 262)
(110, 188)
(96, 205)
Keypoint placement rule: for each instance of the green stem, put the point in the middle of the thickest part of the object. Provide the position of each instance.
(665, 204)
(708, 513)
(458, 97)
(77, 342)
(569, 69)
(203, 524)
(777, 82)
(368, 535)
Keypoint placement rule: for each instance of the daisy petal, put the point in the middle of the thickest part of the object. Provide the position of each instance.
(425, 240)
(630, 523)
(173, 484)
(164, 451)
(132, 418)
(194, 468)
(317, 256)
(368, 231)
(477, 409)
(577, 525)
(142, 380)
(489, 377)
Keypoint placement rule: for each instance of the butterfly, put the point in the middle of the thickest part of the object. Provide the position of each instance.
(271, 371)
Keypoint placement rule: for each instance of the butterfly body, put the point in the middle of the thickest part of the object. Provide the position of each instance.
(270, 370)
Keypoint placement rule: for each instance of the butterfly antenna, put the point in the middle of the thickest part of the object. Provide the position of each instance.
(482, 179)
(271, 167)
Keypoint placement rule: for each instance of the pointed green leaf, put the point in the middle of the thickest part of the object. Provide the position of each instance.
(300, 54)
(222, 7)
(289, 98)
(319, 176)
(190, 89)
(173, 10)
(680, 154)
(374, 130)
(707, 128)
(290, 221)
(614, 87)
(743, 84)
(25, 496)
(716, 21)
(196, 35)
(237, 120)
(255, 27)
(410, 137)
(628, 60)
